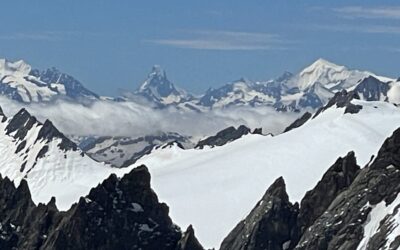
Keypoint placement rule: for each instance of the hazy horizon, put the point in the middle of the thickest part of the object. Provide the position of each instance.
(110, 46)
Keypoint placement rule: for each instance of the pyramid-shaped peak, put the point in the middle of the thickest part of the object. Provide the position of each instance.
(157, 71)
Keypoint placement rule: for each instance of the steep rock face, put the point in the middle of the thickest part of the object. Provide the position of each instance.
(72, 87)
(269, 224)
(159, 90)
(342, 99)
(371, 89)
(189, 241)
(20, 124)
(364, 216)
(23, 225)
(33, 139)
(299, 122)
(293, 220)
(224, 136)
(337, 179)
(118, 214)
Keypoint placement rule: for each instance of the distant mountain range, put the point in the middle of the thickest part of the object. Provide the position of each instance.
(19, 81)
(214, 183)
(310, 88)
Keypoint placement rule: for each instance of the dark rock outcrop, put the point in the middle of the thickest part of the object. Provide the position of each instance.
(224, 136)
(341, 226)
(275, 211)
(299, 122)
(49, 132)
(20, 124)
(342, 99)
(257, 131)
(117, 214)
(371, 89)
(189, 241)
(337, 179)
(269, 224)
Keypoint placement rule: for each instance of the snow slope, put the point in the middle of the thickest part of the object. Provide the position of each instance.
(49, 162)
(379, 213)
(214, 189)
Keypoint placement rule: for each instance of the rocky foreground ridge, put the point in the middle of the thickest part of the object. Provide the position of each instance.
(117, 214)
(349, 208)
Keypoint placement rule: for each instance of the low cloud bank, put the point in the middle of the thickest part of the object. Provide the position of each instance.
(133, 119)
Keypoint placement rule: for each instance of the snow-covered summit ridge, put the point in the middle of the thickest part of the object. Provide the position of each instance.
(17, 67)
(21, 82)
(331, 75)
(41, 154)
(323, 64)
(312, 88)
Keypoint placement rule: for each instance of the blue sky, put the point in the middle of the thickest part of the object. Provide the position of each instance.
(112, 45)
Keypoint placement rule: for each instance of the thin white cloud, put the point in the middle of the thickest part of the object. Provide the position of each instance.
(224, 40)
(372, 29)
(133, 119)
(41, 36)
(45, 35)
(383, 12)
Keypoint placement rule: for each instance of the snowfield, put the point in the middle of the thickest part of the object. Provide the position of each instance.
(67, 175)
(214, 188)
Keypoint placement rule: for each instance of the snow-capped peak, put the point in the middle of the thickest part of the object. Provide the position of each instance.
(19, 81)
(157, 76)
(329, 75)
(157, 88)
(322, 64)
(17, 67)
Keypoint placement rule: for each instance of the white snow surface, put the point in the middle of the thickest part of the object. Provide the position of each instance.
(375, 218)
(16, 74)
(215, 188)
(330, 75)
(394, 93)
(67, 175)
